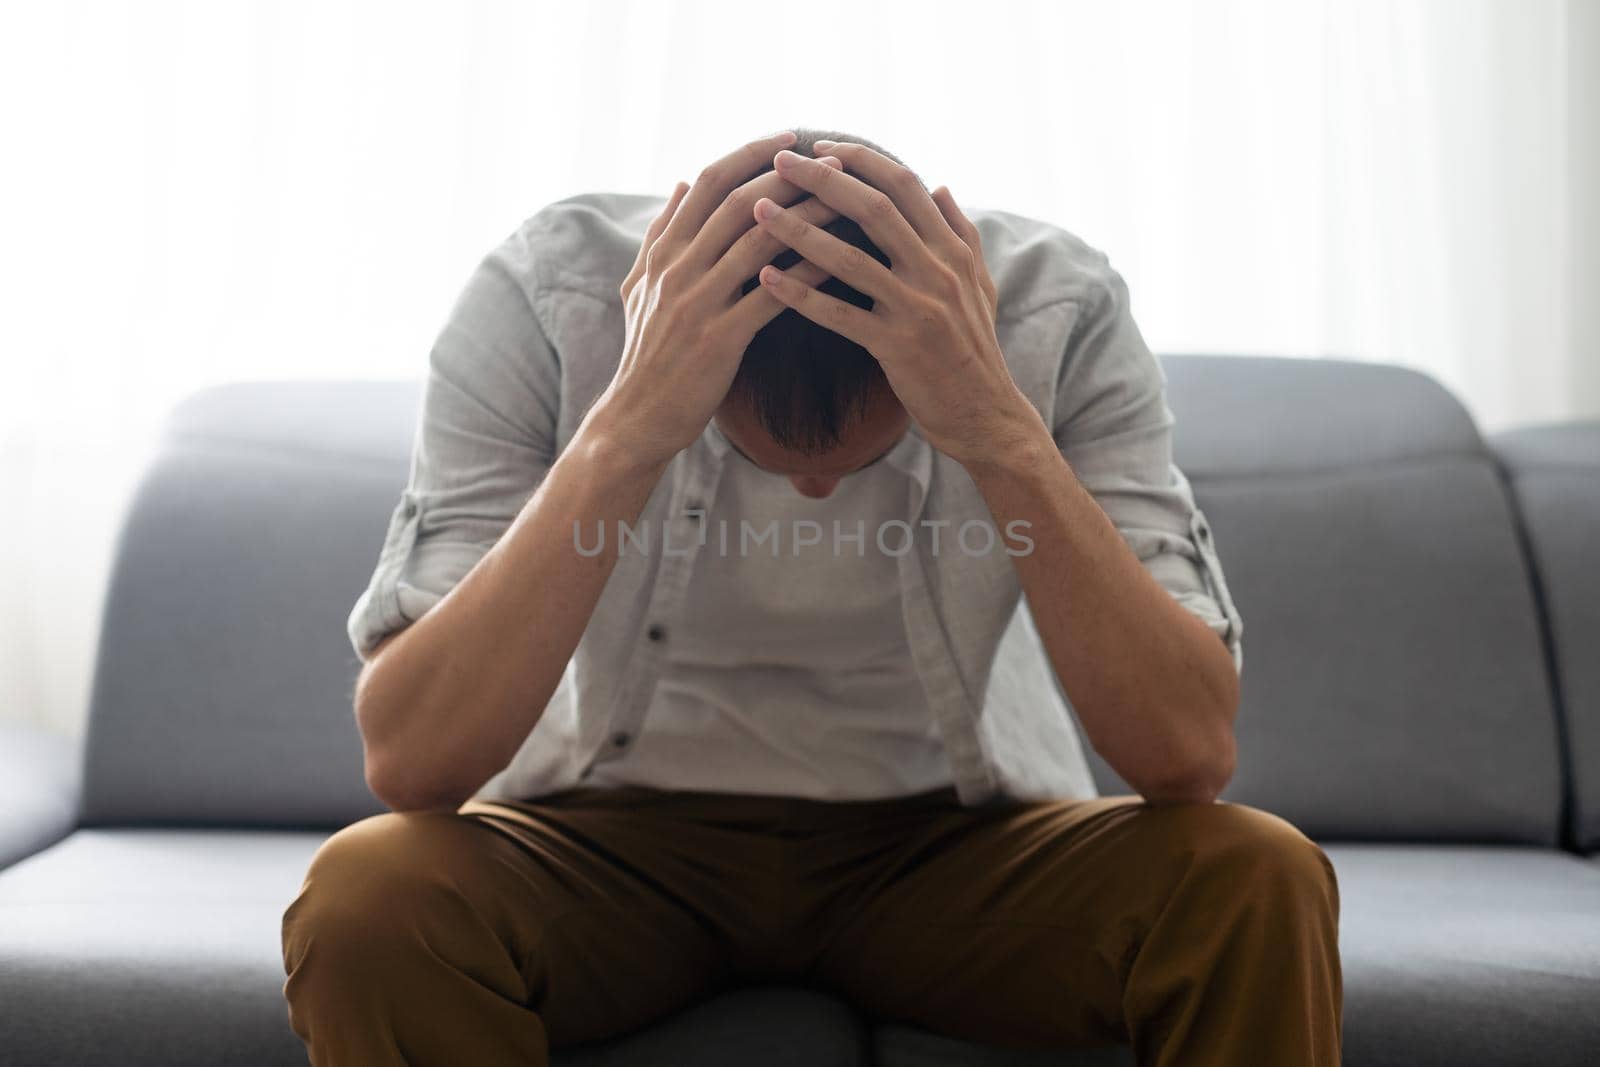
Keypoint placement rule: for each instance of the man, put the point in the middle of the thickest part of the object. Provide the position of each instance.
(717, 634)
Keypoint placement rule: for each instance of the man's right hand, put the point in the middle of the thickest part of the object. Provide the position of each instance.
(461, 688)
(688, 323)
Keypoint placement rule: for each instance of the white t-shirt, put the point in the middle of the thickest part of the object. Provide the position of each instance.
(778, 682)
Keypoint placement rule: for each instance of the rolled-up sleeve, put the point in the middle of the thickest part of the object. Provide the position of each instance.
(1114, 427)
(484, 440)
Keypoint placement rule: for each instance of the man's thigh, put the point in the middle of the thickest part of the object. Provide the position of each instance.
(622, 939)
(1020, 924)
(567, 912)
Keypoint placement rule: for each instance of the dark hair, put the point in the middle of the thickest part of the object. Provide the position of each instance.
(806, 383)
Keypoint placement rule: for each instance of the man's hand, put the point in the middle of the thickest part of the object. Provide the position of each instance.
(1155, 690)
(688, 324)
(932, 323)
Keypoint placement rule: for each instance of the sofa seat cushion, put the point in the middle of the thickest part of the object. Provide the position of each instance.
(1456, 955)
(1483, 955)
(142, 946)
(135, 946)
(896, 1045)
(773, 1026)
(150, 946)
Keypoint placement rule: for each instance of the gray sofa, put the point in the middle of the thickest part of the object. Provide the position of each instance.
(1421, 695)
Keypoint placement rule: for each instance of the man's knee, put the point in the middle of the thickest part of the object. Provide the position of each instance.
(1259, 856)
(368, 889)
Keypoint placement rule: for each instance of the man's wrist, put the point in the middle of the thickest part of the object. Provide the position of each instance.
(610, 441)
(1019, 445)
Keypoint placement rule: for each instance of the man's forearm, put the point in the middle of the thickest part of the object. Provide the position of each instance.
(1154, 688)
(449, 699)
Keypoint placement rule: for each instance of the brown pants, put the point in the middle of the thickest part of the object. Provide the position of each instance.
(1201, 934)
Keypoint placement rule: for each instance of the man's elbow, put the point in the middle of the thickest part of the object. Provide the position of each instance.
(1207, 769)
(396, 774)
(1199, 780)
(400, 790)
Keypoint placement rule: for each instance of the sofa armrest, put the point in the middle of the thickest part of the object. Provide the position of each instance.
(38, 790)
(1554, 472)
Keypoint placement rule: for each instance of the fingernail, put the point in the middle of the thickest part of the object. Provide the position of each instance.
(832, 161)
(823, 145)
(788, 137)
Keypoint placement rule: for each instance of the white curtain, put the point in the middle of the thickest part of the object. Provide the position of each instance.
(198, 192)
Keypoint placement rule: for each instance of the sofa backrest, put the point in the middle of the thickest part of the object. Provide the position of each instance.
(1554, 472)
(1394, 684)
(224, 678)
(1393, 681)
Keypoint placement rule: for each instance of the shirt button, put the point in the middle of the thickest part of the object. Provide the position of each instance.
(621, 738)
(656, 632)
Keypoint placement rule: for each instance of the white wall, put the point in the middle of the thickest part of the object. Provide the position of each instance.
(214, 190)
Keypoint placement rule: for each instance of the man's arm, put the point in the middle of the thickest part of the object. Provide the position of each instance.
(443, 703)
(1153, 686)
(1155, 690)
(1146, 644)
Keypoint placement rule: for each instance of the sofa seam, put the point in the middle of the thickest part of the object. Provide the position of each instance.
(1198, 475)
(1567, 816)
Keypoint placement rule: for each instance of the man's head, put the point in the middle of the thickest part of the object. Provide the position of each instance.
(807, 402)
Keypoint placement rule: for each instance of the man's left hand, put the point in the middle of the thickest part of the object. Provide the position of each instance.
(932, 323)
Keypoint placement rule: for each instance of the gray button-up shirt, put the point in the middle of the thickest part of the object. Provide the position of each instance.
(536, 336)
